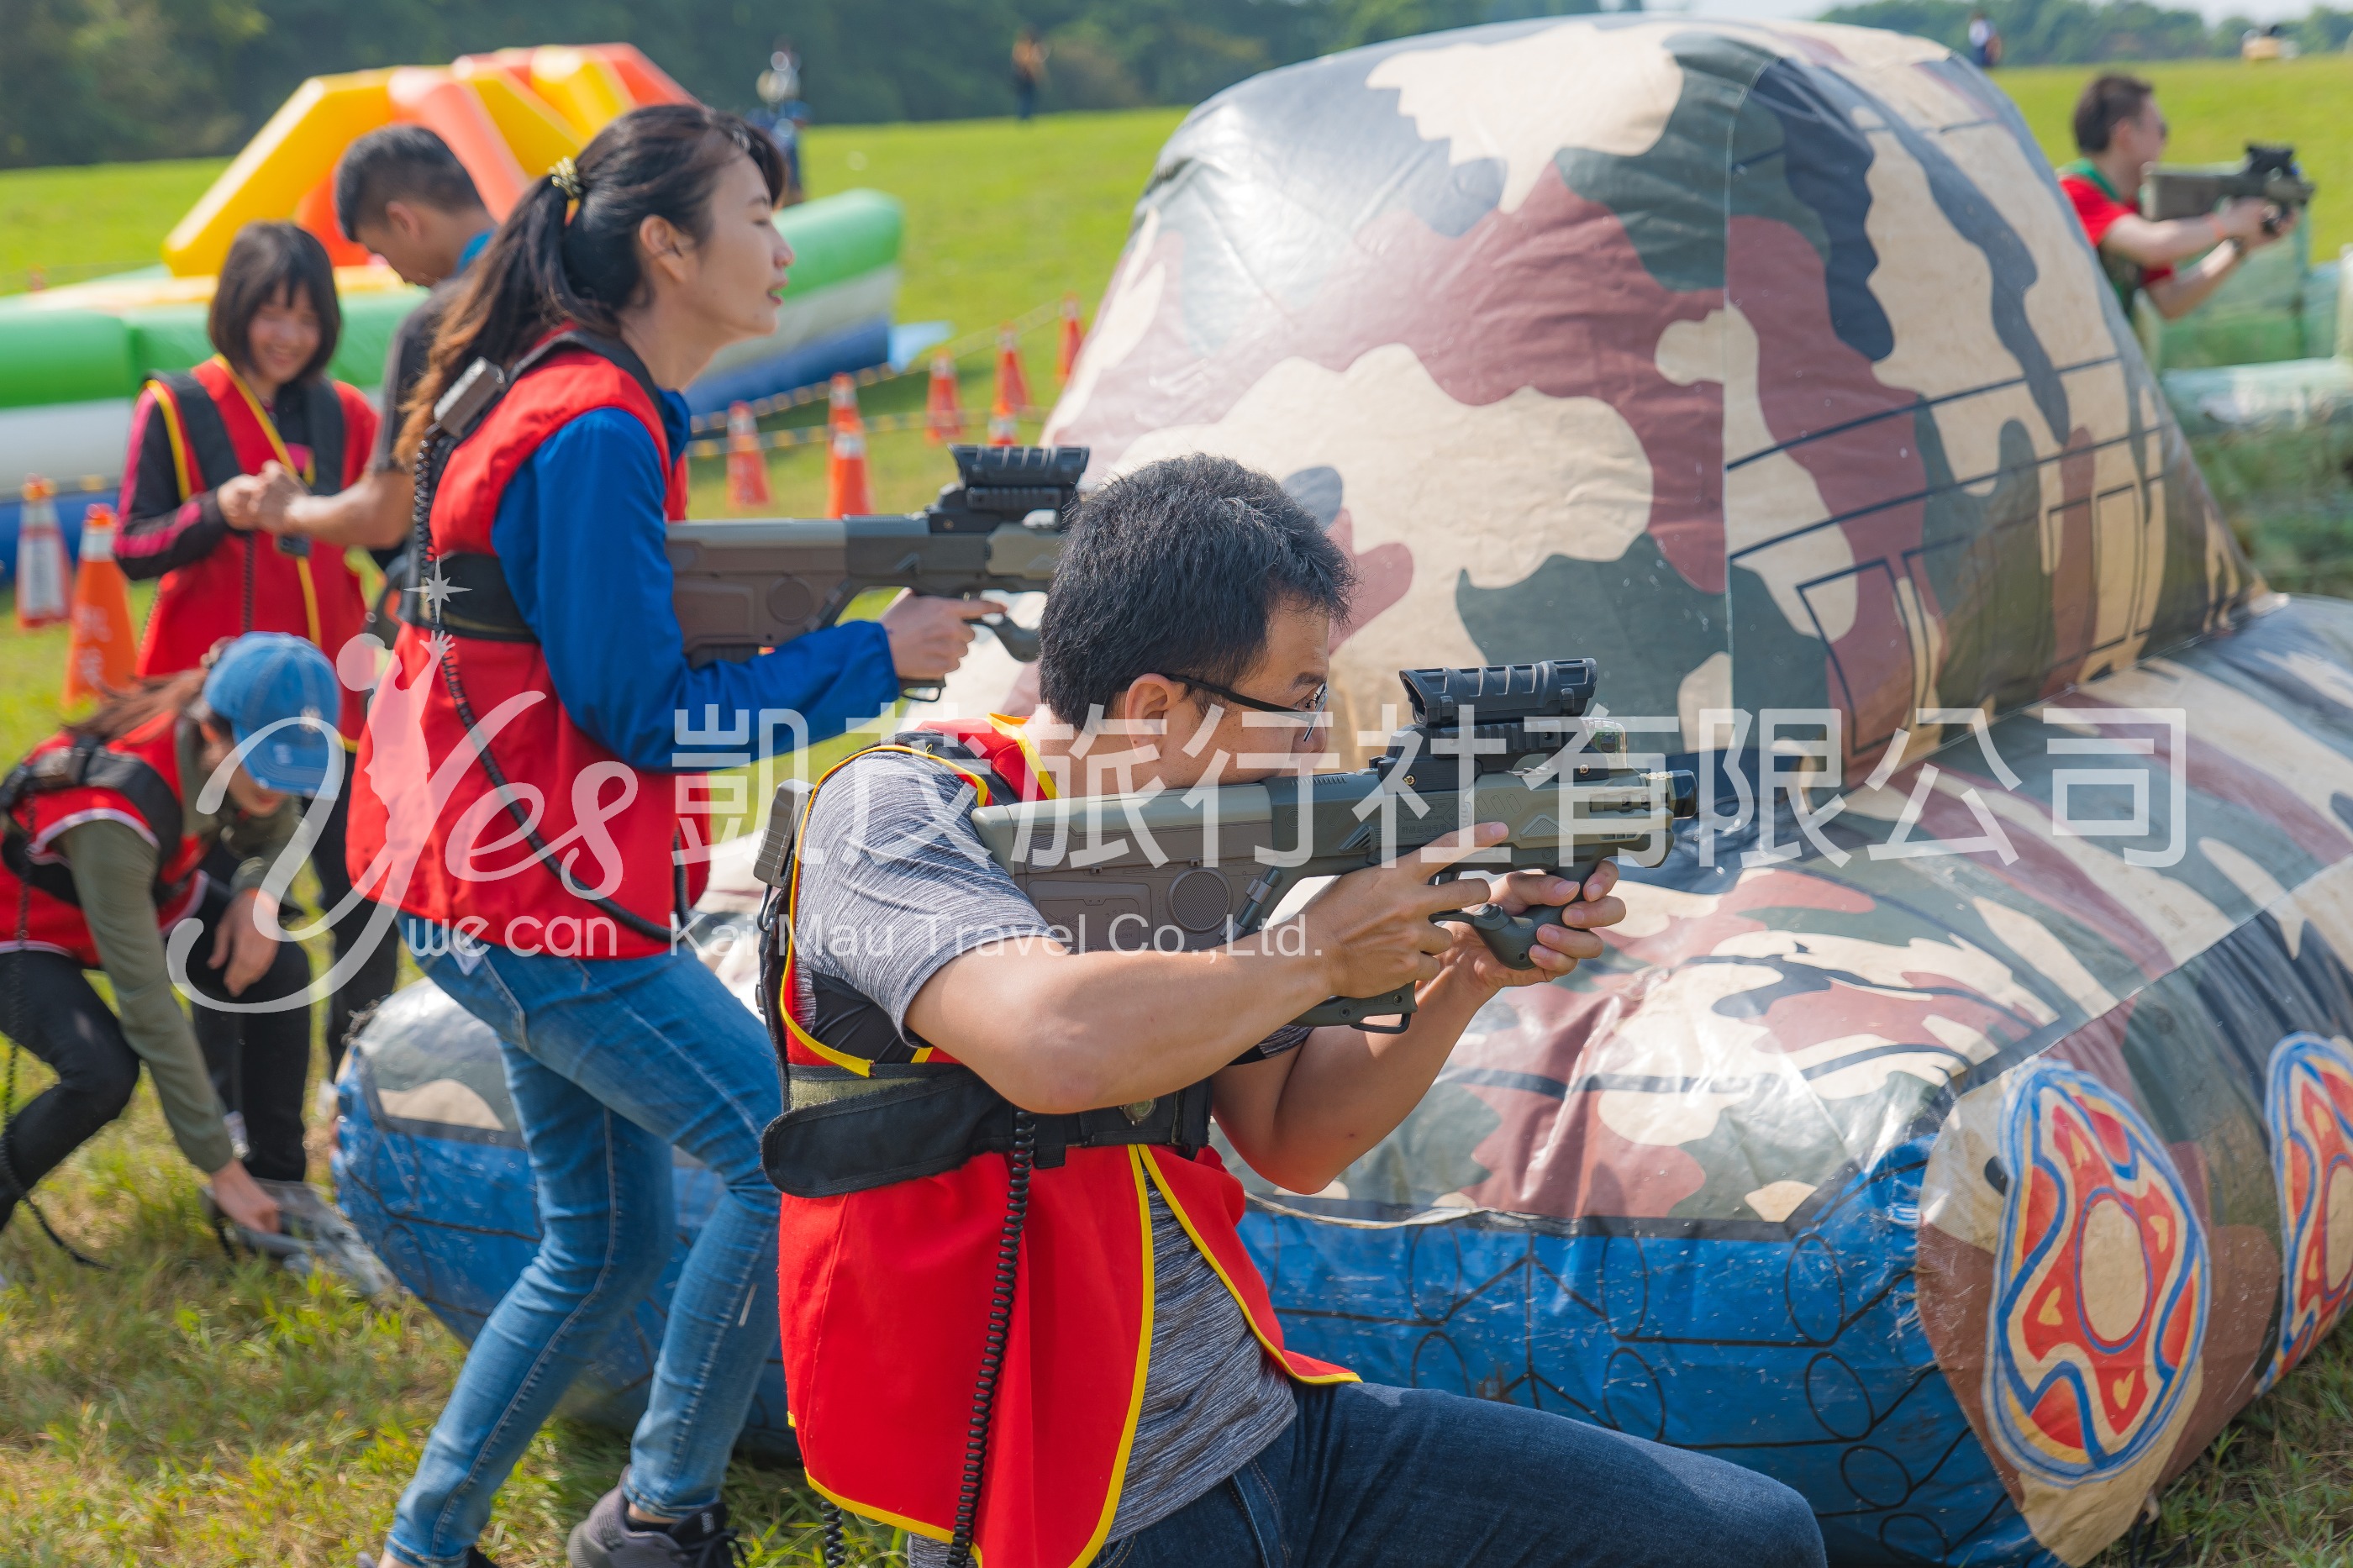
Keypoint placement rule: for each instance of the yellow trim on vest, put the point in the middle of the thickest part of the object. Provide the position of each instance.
(1144, 1185)
(310, 477)
(1137, 1170)
(882, 1515)
(1227, 1279)
(268, 425)
(1017, 732)
(801, 1036)
(180, 469)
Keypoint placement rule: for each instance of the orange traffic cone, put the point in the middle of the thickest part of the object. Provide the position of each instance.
(845, 491)
(1012, 387)
(103, 647)
(1004, 425)
(42, 579)
(1074, 337)
(943, 414)
(841, 402)
(747, 465)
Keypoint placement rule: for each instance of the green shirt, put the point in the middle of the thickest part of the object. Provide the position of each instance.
(114, 874)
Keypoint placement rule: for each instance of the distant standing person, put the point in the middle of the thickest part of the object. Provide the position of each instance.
(1984, 41)
(2121, 133)
(1028, 72)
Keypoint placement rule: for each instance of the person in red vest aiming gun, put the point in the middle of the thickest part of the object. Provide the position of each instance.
(516, 800)
(216, 453)
(109, 825)
(1018, 1319)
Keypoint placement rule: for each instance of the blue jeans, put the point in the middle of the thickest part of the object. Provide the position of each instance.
(1370, 1476)
(611, 1061)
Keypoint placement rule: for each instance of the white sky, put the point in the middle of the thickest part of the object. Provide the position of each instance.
(1758, 10)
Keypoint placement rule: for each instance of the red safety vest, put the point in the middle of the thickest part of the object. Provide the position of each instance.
(442, 846)
(53, 919)
(316, 595)
(885, 1296)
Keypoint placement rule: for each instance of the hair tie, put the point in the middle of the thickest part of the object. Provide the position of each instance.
(565, 176)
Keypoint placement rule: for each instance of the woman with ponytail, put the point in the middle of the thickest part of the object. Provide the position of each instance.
(514, 800)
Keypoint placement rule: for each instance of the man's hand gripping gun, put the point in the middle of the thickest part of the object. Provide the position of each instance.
(748, 583)
(2270, 174)
(1201, 869)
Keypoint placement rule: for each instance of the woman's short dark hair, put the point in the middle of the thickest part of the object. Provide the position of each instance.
(1177, 570)
(550, 266)
(2107, 103)
(265, 260)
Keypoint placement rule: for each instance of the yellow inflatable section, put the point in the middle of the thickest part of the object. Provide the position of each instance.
(506, 116)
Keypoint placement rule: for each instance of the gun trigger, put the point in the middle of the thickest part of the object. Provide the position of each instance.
(1016, 639)
(1511, 938)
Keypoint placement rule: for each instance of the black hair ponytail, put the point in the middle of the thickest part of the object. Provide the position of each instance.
(553, 264)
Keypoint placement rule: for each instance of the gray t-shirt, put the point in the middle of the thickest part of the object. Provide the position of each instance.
(894, 883)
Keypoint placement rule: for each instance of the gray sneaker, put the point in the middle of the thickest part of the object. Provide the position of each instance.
(606, 1538)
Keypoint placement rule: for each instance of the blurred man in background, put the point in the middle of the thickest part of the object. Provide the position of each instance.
(2121, 132)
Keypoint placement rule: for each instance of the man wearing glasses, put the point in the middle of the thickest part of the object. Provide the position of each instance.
(2120, 133)
(1140, 1406)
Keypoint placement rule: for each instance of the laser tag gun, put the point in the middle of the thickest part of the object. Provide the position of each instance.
(748, 583)
(1180, 870)
(2270, 174)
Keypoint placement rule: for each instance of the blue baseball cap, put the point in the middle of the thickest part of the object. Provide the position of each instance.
(266, 678)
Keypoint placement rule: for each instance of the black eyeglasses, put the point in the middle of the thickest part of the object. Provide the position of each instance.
(1313, 707)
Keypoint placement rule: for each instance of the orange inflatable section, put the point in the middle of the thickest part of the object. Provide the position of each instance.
(507, 116)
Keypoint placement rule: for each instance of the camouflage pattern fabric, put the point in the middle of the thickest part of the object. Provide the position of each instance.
(1957, 1129)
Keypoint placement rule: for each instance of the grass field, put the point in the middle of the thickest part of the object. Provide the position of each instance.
(181, 1410)
(2216, 108)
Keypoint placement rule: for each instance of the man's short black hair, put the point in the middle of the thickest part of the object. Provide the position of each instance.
(1177, 570)
(2107, 103)
(399, 164)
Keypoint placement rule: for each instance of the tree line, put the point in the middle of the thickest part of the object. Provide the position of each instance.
(90, 80)
(93, 81)
(2078, 32)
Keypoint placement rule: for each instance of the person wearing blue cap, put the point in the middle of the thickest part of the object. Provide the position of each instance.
(108, 829)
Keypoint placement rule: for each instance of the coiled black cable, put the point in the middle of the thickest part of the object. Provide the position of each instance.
(430, 459)
(1020, 1163)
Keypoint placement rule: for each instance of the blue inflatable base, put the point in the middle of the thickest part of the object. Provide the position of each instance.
(451, 1212)
(853, 348)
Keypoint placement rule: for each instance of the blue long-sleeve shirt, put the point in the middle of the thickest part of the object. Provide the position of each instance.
(579, 535)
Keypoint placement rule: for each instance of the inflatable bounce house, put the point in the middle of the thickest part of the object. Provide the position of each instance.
(72, 359)
(1960, 1129)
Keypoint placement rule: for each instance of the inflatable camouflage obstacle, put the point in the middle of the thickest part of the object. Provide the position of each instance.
(1965, 1134)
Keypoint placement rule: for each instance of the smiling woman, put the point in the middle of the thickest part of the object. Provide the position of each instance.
(609, 286)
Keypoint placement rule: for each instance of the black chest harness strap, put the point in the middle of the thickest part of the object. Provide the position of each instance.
(87, 764)
(898, 1115)
(458, 414)
(893, 1114)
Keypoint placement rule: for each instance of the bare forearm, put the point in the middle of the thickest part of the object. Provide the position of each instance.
(1054, 1031)
(2185, 291)
(373, 514)
(2161, 244)
(1343, 1090)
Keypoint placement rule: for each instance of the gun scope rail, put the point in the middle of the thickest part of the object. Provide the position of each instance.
(1502, 693)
